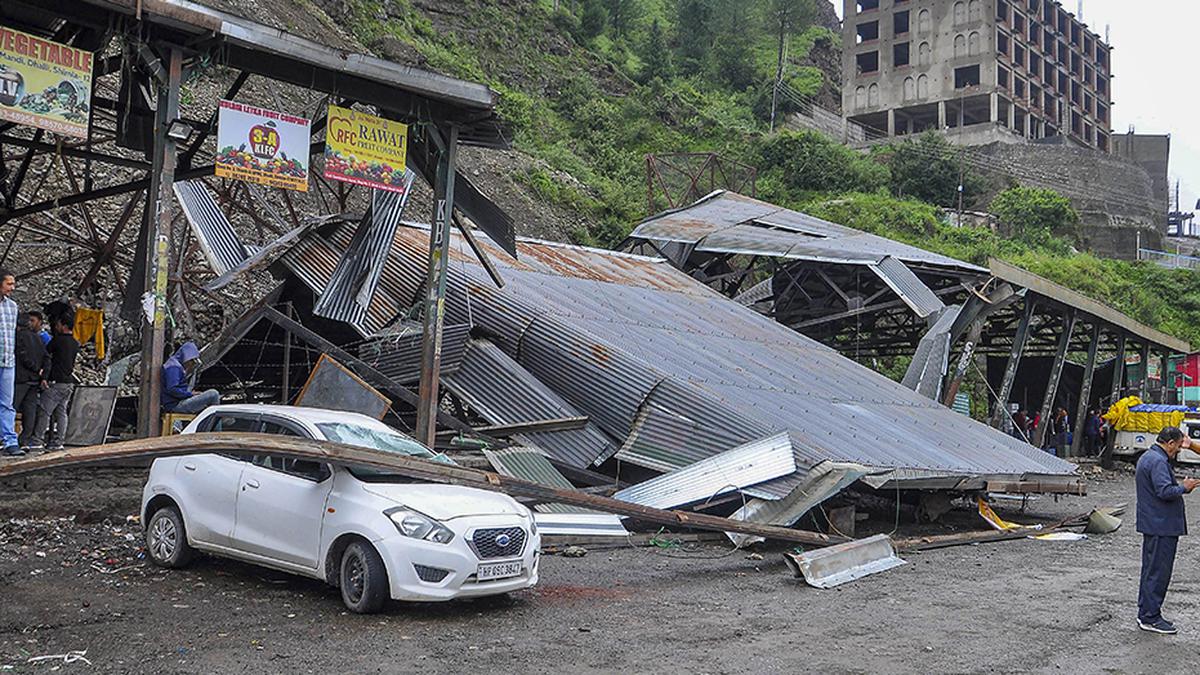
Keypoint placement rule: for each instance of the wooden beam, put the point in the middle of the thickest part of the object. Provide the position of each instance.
(391, 462)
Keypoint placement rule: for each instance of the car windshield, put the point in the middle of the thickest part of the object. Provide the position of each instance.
(379, 439)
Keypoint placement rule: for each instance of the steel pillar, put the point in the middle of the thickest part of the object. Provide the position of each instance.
(1144, 387)
(1118, 383)
(1060, 360)
(156, 245)
(435, 282)
(1085, 392)
(1014, 362)
(1162, 377)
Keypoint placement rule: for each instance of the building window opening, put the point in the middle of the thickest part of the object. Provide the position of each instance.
(867, 62)
(867, 5)
(967, 76)
(900, 55)
(900, 23)
(868, 32)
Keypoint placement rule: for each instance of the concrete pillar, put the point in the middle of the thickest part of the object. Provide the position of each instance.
(1056, 368)
(891, 122)
(995, 103)
(1012, 118)
(941, 115)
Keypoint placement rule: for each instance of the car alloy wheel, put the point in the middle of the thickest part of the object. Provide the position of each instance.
(354, 581)
(164, 539)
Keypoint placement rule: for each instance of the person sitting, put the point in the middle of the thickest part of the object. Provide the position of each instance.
(177, 395)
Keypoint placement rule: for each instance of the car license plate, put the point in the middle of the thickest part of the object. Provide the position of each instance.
(490, 571)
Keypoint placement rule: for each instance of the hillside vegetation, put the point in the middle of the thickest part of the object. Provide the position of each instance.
(589, 87)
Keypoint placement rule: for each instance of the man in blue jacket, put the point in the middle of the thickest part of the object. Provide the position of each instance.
(177, 395)
(1161, 520)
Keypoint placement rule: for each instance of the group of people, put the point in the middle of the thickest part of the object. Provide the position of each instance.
(37, 373)
(1059, 435)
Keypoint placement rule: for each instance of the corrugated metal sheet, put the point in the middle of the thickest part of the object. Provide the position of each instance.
(580, 524)
(612, 336)
(732, 223)
(502, 392)
(218, 240)
(911, 290)
(749, 464)
(350, 291)
(529, 464)
(931, 360)
(397, 354)
(820, 483)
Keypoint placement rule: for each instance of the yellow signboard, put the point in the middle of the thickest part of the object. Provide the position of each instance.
(365, 150)
(44, 84)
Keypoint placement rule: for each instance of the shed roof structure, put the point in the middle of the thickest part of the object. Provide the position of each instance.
(669, 372)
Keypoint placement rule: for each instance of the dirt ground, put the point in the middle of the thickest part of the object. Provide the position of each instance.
(1021, 606)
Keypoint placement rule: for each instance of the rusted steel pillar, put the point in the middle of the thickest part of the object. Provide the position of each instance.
(1014, 362)
(446, 145)
(1056, 368)
(1085, 392)
(157, 244)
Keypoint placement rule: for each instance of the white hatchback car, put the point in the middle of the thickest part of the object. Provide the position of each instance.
(372, 534)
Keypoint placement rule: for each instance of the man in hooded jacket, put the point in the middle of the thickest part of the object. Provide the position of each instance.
(177, 395)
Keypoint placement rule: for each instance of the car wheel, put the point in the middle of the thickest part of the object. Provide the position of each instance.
(363, 579)
(166, 539)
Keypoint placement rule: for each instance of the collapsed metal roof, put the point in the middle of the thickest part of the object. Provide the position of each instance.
(727, 222)
(670, 372)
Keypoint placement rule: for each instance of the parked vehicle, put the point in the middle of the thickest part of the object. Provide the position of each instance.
(372, 534)
(1132, 444)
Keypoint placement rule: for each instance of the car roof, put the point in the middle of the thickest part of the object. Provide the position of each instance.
(295, 412)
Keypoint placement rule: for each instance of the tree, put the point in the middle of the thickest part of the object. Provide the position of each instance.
(806, 161)
(656, 56)
(623, 14)
(594, 18)
(693, 21)
(1035, 215)
(734, 22)
(929, 169)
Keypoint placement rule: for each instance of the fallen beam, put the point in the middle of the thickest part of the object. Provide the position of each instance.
(410, 467)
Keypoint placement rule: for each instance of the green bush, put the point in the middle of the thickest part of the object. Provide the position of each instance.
(930, 169)
(807, 161)
(1036, 215)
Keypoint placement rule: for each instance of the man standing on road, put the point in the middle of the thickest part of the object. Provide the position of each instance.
(1161, 520)
(8, 365)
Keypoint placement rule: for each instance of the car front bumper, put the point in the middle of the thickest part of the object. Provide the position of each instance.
(402, 554)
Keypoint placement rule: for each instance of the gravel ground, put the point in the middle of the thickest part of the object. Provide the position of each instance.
(1021, 606)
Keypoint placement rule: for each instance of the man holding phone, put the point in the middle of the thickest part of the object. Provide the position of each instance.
(1162, 520)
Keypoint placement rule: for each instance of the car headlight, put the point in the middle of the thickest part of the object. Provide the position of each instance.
(419, 526)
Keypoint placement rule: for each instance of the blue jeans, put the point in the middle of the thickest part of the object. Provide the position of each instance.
(1158, 561)
(8, 414)
(196, 403)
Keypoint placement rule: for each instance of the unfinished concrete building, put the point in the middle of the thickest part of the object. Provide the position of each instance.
(984, 70)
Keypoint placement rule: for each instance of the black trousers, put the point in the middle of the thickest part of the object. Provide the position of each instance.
(1158, 561)
(25, 400)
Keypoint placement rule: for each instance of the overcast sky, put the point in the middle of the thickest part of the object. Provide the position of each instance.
(1152, 66)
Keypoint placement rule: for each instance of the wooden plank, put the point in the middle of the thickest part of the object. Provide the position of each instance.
(411, 467)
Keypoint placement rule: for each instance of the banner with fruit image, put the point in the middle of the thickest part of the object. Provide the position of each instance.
(365, 150)
(262, 146)
(44, 84)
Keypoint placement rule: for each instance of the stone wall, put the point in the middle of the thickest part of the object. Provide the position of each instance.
(1115, 198)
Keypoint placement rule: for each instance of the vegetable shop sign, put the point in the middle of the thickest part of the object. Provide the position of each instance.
(365, 150)
(262, 146)
(44, 84)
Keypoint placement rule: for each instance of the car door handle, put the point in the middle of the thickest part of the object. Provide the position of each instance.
(252, 484)
(190, 467)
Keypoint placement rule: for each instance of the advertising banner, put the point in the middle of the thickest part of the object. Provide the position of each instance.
(365, 150)
(44, 84)
(262, 146)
